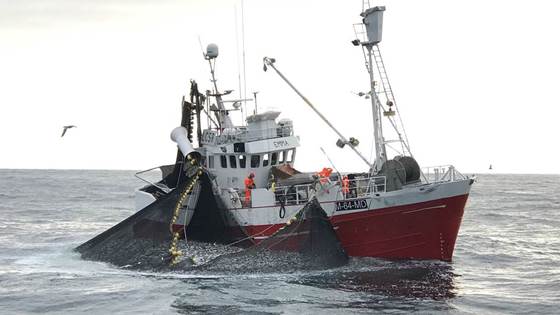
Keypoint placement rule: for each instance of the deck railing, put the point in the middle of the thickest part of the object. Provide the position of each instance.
(242, 134)
(357, 188)
(293, 195)
(300, 194)
(363, 187)
(154, 175)
(443, 173)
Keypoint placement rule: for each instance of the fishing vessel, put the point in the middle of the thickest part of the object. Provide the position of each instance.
(393, 209)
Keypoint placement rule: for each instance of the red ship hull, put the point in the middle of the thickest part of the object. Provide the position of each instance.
(425, 230)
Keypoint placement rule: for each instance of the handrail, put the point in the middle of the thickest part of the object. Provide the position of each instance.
(295, 194)
(301, 193)
(442, 173)
(358, 188)
(242, 134)
(161, 187)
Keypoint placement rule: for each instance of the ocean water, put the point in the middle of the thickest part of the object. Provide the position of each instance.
(507, 258)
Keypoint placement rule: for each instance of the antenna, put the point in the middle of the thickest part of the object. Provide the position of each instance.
(255, 95)
(243, 42)
(200, 43)
(238, 63)
(365, 5)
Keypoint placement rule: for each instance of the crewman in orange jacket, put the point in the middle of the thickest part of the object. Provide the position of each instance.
(325, 174)
(249, 184)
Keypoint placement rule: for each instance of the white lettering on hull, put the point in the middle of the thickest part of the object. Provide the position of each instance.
(351, 205)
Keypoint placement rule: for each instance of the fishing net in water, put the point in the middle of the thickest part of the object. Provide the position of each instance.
(144, 240)
(306, 242)
(394, 279)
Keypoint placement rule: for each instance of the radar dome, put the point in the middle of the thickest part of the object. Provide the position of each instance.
(211, 51)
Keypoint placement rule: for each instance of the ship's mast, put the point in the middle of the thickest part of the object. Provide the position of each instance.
(224, 120)
(373, 23)
(380, 152)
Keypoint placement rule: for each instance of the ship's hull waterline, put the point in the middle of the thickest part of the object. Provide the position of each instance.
(425, 230)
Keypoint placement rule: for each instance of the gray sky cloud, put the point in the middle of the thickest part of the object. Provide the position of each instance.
(475, 81)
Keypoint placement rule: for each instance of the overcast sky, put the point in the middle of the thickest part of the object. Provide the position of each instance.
(476, 81)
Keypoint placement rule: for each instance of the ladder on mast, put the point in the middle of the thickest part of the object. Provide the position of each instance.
(383, 74)
(388, 91)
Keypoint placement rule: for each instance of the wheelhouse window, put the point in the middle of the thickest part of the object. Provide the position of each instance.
(256, 161)
(265, 159)
(290, 156)
(232, 161)
(223, 161)
(211, 161)
(242, 161)
(274, 158)
(280, 157)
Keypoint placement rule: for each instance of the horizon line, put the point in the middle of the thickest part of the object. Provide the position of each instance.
(136, 170)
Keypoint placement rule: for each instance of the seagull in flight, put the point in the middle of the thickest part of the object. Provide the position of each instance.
(66, 128)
